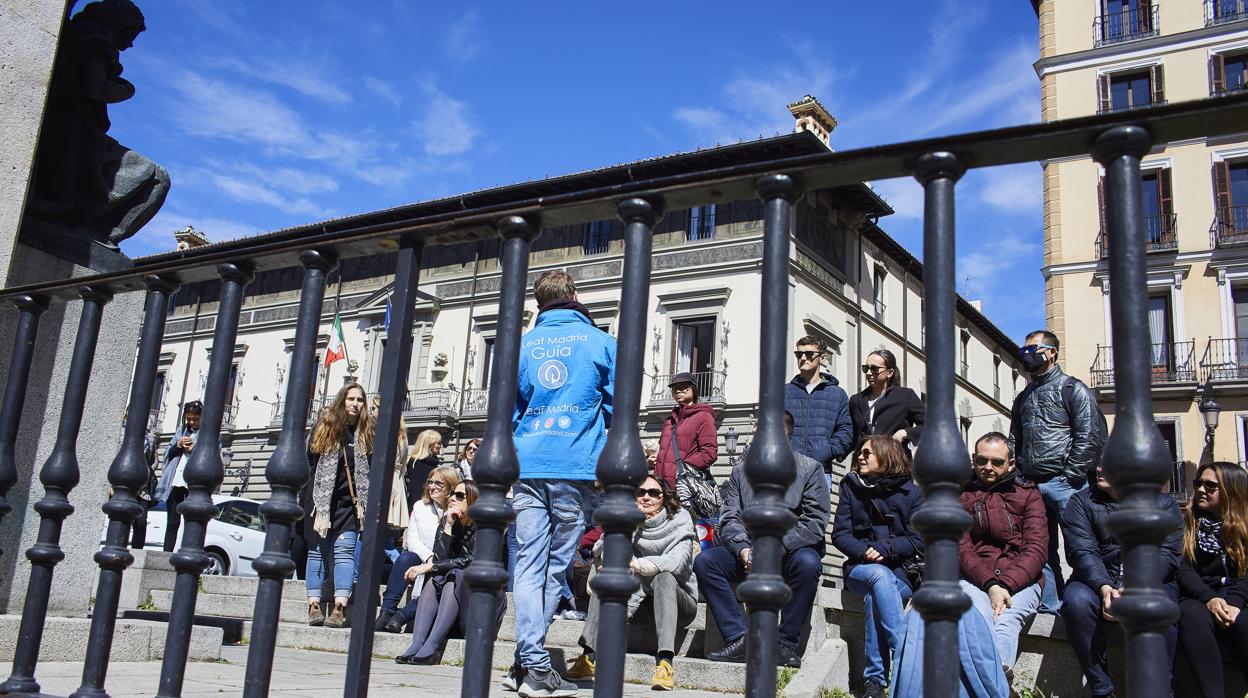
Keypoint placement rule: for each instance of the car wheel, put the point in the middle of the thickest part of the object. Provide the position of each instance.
(217, 563)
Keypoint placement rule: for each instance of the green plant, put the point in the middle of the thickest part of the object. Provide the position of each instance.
(783, 676)
(1030, 692)
(834, 693)
(148, 604)
(455, 662)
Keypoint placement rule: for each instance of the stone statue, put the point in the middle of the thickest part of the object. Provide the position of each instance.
(85, 180)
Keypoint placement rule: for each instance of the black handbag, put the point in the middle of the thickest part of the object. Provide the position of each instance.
(915, 566)
(695, 488)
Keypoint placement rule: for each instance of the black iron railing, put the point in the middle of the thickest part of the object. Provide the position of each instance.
(1178, 483)
(1230, 227)
(433, 402)
(278, 413)
(1136, 459)
(1225, 360)
(1119, 108)
(1169, 362)
(1223, 11)
(1160, 235)
(476, 402)
(1125, 25)
(709, 384)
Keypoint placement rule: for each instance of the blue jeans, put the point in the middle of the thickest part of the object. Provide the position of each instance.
(883, 597)
(1055, 492)
(718, 568)
(550, 518)
(1007, 626)
(396, 584)
(513, 549)
(1085, 630)
(339, 547)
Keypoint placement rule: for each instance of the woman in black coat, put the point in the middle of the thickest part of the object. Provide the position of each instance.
(885, 407)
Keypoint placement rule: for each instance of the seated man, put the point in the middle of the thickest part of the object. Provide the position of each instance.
(1094, 554)
(1002, 556)
(717, 569)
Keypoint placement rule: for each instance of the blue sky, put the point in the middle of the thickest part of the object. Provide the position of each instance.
(277, 113)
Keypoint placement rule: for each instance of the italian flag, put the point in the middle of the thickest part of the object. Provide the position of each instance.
(336, 350)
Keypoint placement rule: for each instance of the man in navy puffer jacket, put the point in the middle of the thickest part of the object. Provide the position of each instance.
(822, 428)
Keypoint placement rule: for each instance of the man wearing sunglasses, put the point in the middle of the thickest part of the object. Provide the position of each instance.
(1057, 431)
(822, 427)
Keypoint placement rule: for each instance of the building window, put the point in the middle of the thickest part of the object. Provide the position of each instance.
(701, 223)
(966, 431)
(597, 238)
(1231, 185)
(878, 292)
(1125, 20)
(1132, 90)
(693, 345)
(1228, 73)
(1222, 11)
(158, 401)
(966, 352)
(1159, 332)
(996, 378)
(487, 361)
(1160, 221)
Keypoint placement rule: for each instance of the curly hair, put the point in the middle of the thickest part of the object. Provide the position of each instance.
(331, 424)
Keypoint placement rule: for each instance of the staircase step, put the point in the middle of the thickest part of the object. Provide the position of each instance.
(231, 628)
(233, 606)
(293, 589)
(690, 672)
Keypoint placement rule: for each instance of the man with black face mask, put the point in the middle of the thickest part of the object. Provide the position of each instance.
(1057, 431)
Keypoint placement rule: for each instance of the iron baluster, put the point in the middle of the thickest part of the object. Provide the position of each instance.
(127, 475)
(622, 465)
(941, 467)
(496, 466)
(287, 473)
(1135, 459)
(30, 308)
(204, 473)
(394, 366)
(769, 465)
(59, 476)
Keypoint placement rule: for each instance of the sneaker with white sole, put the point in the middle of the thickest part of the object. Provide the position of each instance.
(511, 682)
(546, 684)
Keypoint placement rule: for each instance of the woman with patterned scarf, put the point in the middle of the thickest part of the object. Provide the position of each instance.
(1213, 575)
(338, 453)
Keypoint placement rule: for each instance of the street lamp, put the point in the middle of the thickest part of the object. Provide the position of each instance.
(1210, 411)
(730, 441)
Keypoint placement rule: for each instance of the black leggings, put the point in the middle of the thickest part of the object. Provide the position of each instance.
(1198, 635)
(173, 520)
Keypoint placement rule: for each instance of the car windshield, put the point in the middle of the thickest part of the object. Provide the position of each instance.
(241, 513)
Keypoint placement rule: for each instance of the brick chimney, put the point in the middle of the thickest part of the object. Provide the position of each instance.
(812, 116)
(189, 238)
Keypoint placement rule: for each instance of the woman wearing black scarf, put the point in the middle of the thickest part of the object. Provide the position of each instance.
(872, 528)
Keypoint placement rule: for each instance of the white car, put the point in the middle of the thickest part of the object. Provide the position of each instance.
(235, 535)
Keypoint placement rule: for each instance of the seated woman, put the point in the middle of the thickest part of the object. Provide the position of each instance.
(437, 610)
(663, 560)
(872, 528)
(1213, 574)
(418, 539)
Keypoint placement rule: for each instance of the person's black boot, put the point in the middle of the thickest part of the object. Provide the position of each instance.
(382, 619)
(788, 656)
(732, 652)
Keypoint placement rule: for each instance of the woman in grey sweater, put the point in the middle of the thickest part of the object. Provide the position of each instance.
(663, 561)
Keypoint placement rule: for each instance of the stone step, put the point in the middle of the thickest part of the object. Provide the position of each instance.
(65, 640)
(293, 589)
(690, 672)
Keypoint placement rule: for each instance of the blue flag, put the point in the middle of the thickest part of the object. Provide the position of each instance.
(387, 317)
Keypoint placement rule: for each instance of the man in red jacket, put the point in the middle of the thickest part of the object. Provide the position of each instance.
(1004, 553)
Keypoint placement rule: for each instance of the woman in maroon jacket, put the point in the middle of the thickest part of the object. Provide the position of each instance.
(694, 426)
(1004, 552)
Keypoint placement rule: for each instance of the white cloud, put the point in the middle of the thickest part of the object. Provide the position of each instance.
(1013, 189)
(252, 190)
(309, 77)
(904, 194)
(384, 90)
(446, 127)
(157, 236)
(216, 109)
(462, 40)
(982, 273)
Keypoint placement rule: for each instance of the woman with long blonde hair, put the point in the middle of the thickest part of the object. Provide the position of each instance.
(1213, 574)
(425, 455)
(338, 453)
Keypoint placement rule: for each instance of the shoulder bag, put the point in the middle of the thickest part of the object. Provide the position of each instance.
(695, 488)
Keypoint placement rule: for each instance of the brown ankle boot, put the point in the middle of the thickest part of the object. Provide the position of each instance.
(338, 617)
(315, 615)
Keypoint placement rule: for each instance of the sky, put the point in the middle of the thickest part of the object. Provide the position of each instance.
(280, 113)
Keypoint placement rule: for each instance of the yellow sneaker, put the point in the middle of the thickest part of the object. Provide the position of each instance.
(664, 677)
(582, 668)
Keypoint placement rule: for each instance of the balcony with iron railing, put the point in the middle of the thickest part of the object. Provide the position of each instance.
(1161, 235)
(475, 402)
(1124, 25)
(431, 404)
(1225, 361)
(710, 386)
(1230, 227)
(1116, 108)
(278, 412)
(1173, 365)
(1224, 11)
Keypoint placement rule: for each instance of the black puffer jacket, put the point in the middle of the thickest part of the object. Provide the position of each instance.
(1094, 553)
(1048, 441)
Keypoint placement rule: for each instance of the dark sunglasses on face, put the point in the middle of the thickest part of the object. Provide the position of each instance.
(649, 492)
(1033, 348)
(865, 452)
(437, 485)
(1206, 485)
(985, 460)
(868, 368)
(459, 495)
(808, 355)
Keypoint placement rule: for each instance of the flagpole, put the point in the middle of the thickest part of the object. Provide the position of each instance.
(337, 300)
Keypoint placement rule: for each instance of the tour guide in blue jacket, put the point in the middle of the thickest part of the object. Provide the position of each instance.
(563, 410)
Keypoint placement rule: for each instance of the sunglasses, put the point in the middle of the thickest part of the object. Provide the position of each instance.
(436, 485)
(868, 368)
(682, 388)
(649, 492)
(865, 452)
(985, 460)
(472, 449)
(1033, 348)
(459, 495)
(808, 355)
(1206, 485)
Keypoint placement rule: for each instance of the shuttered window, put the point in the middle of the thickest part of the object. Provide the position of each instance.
(1132, 90)
(1227, 73)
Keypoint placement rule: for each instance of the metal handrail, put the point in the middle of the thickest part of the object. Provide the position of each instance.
(1225, 360)
(1161, 235)
(1120, 108)
(1230, 227)
(1124, 25)
(1225, 11)
(1171, 362)
(430, 400)
(709, 384)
